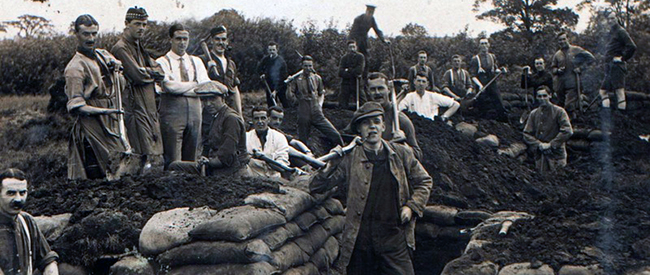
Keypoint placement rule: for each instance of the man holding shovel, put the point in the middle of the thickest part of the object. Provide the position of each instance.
(566, 67)
(273, 71)
(351, 69)
(485, 69)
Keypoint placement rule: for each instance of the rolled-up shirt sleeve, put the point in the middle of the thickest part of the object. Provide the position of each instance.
(74, 88)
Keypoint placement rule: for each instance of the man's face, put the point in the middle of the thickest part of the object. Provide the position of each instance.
(371, 129)
(136, 28)
(220, 42)
(563, 41)
(308, 66)
(272, 50)
(370, 11)
(378, 90)
(180, 41)
(422, 58)
(421, 83)
(539, 65)
(543, 98)
(352, 47)
(86, 36)
(484, 45)
(260, 121)
(13, 197)
(456, 62)
(611, 19)
(275, 119)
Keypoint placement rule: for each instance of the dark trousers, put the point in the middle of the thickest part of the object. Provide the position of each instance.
(490, 104)
(348, 88)
(180, 126)
(309, 113)
(281, 97)
(367, 259)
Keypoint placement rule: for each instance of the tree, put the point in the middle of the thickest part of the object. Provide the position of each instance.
(31, 26)
(626, 10)
(414, 30)
(528, 16)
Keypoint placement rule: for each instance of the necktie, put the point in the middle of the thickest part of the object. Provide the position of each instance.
(184, 75)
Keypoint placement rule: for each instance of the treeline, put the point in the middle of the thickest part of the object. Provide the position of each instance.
(30, 66)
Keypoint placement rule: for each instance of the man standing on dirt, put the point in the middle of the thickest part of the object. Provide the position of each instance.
(546, 132)
(276, 116)
(96, 144)
(266, 141)
(273, 70)
(224, 137)
(359, 32)
(222, 68)
(421, 68)
(619, 50)
(485, 68)
(426, 103)
(566, 68)
(141, 71)
(537, 78)
(180, 106)
(308, 90)
(456, 82)
(351, 70)
(386, 189)
(379, 91)
(23, 248)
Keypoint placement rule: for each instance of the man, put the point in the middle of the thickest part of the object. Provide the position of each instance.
(266, 141)
(619, 50)
(276, 117)
(426, 103)
(308, 90)
(540, 77)
(96, 144)
(386, 188)
(484, 67)
(273, 70)
(222, 68)
(360, 28)
(566, 67)
(23, 248)
(223, 135)
(546, 132)
(141, 114)
(422, 68)
(180, 107)
(456, 82)
(379, 91)
(351, 70)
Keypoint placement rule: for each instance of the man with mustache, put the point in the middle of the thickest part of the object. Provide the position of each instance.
(273, 70)
(141, 71)
(23, 248)
(267, 141)
(92, 91)
(386, 188)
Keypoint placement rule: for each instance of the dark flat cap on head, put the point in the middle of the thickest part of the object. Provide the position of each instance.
(217, 30)
(136, 13)
(211, 88)
(367, 110)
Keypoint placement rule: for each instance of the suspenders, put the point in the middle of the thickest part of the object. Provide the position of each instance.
(193, 66)
(28, 238)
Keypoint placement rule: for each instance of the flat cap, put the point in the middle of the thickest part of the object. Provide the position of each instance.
(217, 30)
(211, 88)
(367, 110)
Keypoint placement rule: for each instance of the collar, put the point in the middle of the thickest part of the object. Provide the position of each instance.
(359, 151)
(174, 56)
(6, 219)
(88, 53)
(130, 39)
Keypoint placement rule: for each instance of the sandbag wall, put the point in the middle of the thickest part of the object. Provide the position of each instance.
(516, 102)
(289, 232)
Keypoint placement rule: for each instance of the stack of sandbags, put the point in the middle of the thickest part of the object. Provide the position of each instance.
(290, 232)
(446, 222)
(583, 139)
(634, 100)
(516, 102)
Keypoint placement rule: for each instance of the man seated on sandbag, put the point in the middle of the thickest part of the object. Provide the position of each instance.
(266, 141)
(379, 91)
(386, 186)
(547, 130)
(426, 103)
(224, 137)
(23, 248)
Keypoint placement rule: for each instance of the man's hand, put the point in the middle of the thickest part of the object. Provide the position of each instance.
(211, 64)
(203, 160)
(560, 70)
(262, 76)
(498, 71)
(545, 146)
(113, 111)
(577, 70)
(406, 214)
(617, 59)
(399, 136)
(481, 71)
(337, 150)
(387, 42)
(114, 65)
(526, 69)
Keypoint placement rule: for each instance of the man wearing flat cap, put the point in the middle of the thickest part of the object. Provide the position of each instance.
(141, 71)
(180, 106)
(224, 137)
(222, 68)
(359, 32)
(387, 188)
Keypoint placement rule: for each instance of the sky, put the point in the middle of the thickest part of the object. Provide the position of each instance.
(439, 17)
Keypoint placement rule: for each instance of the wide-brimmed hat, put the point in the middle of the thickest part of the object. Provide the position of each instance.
(369, 109)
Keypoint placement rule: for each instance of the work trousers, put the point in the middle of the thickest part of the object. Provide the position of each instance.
(281, 97)
(390, 256)
(570, 99)
(310, 113)
(490, 104)
(180, 126)
(348, 88)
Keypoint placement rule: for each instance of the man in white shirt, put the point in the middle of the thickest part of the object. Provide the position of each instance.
(426, 103)
(180, 107)
(267, 141)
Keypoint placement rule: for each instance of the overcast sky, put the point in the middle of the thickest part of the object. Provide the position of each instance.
(439, 17)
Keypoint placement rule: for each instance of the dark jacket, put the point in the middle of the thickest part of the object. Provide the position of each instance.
(426, 70)
(351, 67)
(620, 44)
(275, 70)
(569, 59)
(230, 78)
(537, 79)
(224, 137)
(549, 124)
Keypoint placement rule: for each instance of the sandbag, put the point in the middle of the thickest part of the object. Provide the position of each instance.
(596, 135)
(53, 226)
(131, 265)
(440, 214)
(325, 257)
(427, 229)
(288, 256)
(291, 202)
(489, 140)
(168, 229)
(321, 213)
(313, 240)
(210, 253)
(281, 235)
(238, 224)
(510, 96)
(300, 183)
(514, 150)
(580, 144)
(334, 206)
(306, 220)
(306, 269)
(260, 268)
(635, 96)
(466, 129)
(580, 133)
(471, 217)
(334, 225)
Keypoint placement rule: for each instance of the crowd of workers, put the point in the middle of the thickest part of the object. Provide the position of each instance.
(198, 126)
